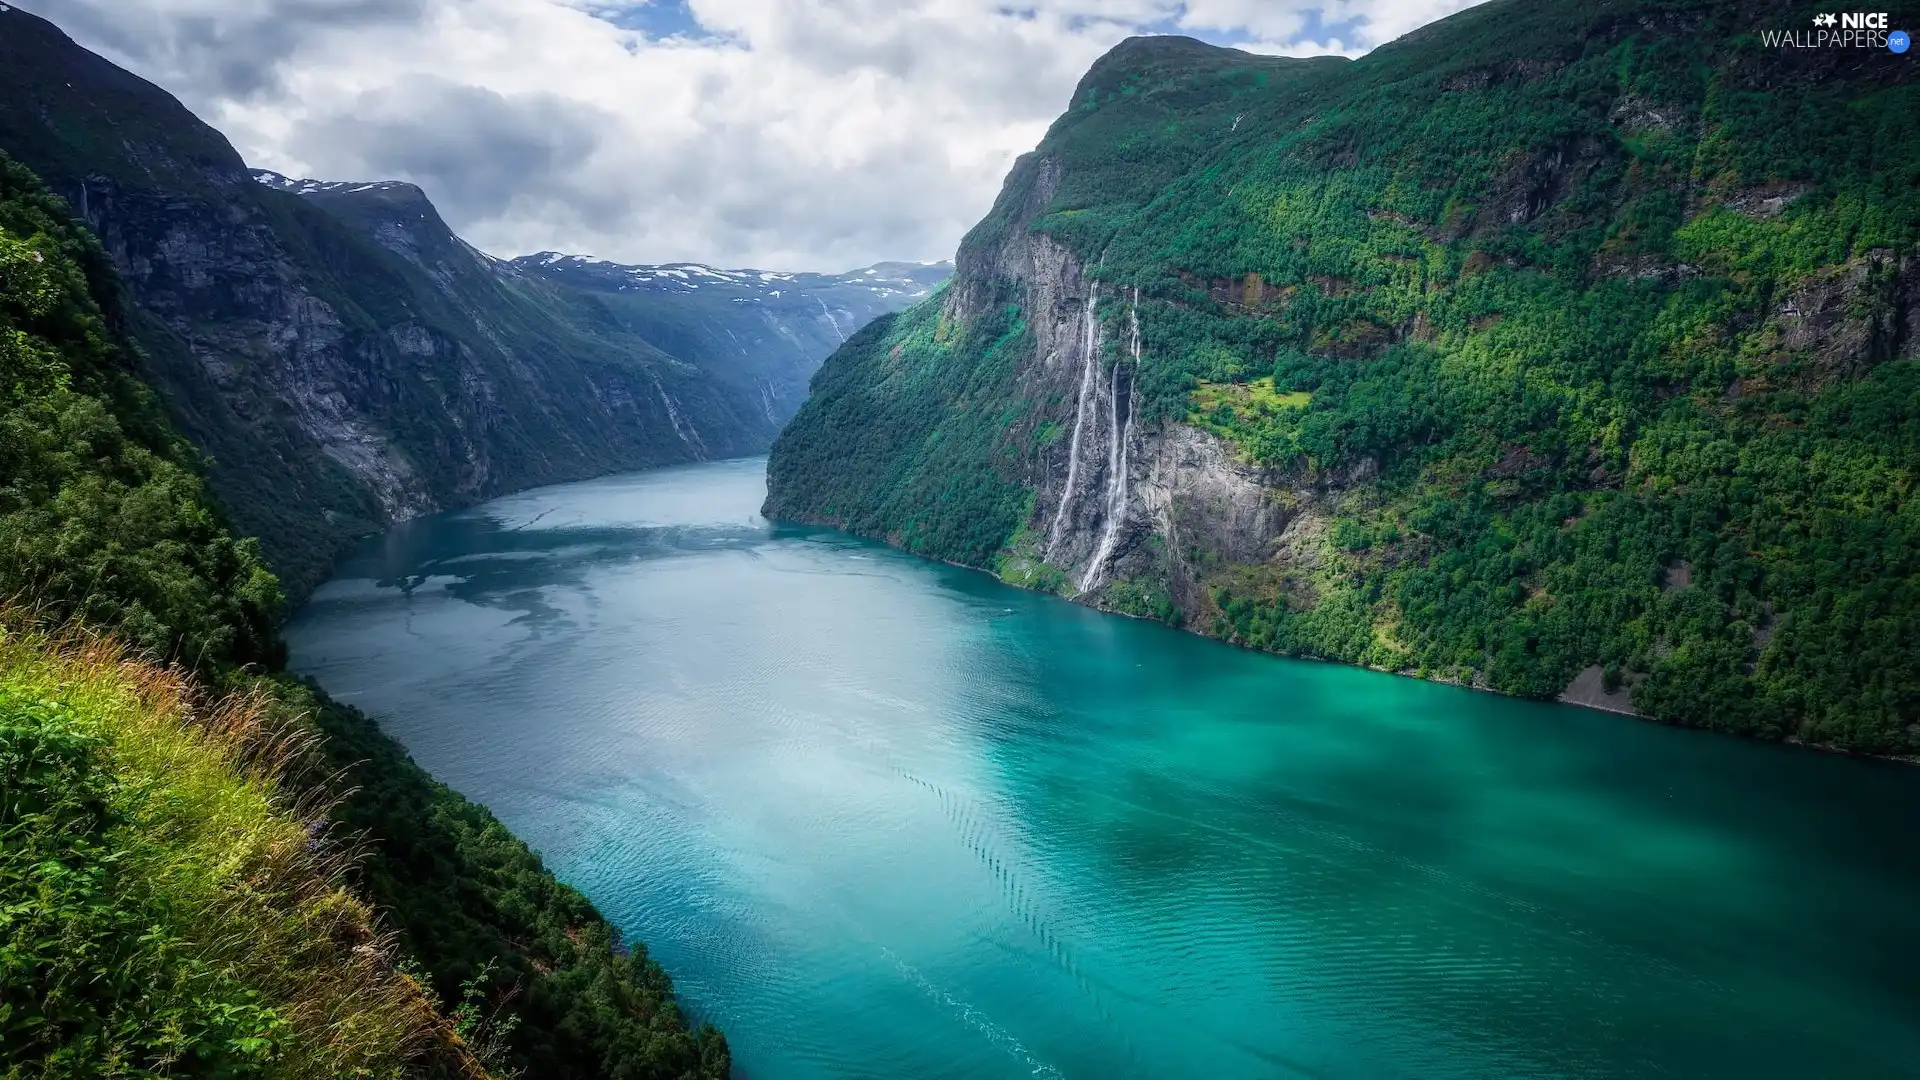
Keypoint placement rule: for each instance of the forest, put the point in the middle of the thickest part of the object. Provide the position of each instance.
(1583, 335)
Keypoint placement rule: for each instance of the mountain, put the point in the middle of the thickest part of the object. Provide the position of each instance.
(210, 869)
(345, 361)
(1567, 349)
(765, 331)
(760, 333)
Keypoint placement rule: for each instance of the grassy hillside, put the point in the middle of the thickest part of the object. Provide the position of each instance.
(1564, 336)
(173, 899)
(164, 903)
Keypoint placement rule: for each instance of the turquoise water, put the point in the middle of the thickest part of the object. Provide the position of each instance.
(885, 818)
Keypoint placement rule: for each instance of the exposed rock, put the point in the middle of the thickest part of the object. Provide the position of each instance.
(1589, 689)
(1766, 203)
(1852, 316)
(1642, 266)
(1197, 496)
(1637, 115)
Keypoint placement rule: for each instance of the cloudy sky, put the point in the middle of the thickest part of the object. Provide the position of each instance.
(784, 134)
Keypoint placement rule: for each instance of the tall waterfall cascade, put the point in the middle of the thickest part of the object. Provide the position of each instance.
(1090, 364)
(1119, 426)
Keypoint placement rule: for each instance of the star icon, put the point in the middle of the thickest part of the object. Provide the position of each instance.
(1825, 20)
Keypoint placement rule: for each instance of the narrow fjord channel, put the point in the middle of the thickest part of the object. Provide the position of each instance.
(884, 818)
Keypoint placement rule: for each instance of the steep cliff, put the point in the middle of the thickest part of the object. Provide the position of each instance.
(345, 360)
(1562, 348)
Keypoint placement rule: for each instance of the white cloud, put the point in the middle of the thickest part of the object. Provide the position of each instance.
(815, 134)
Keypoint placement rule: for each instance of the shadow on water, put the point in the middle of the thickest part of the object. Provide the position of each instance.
(481, 559)
(478, 559)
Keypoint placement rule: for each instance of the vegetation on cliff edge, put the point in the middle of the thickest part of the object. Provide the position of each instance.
(172, 897)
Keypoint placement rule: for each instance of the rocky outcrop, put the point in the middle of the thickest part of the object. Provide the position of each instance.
(1197, 495)
(1849, 317)
(1589, 688)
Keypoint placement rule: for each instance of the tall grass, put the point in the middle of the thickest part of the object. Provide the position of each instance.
(170, 903)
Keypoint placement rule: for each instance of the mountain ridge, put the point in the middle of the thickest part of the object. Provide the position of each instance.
(885, 279)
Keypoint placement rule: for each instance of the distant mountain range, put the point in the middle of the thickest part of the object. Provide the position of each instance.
(887, 282)
(346, 361)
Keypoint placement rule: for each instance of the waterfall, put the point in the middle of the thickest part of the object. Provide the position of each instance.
(1119, 429)
(766, 402)
(688, 434)
(832, 320)
(1090, 359)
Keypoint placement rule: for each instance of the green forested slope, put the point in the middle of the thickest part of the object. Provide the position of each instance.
(171, 899)
(102, 516)
(1562, 334)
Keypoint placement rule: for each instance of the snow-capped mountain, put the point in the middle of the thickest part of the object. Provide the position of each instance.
(898, 283)
(315, 187)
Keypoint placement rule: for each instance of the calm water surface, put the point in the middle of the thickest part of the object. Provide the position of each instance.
(884, 818)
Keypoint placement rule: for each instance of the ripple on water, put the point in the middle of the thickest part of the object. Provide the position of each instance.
(884, 818)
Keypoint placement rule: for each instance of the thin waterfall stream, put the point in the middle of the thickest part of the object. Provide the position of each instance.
(1119, 427)
(1089, 352)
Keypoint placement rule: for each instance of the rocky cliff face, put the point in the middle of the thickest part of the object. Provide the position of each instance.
(346, 361)
(1440, 361)
(1118, 499)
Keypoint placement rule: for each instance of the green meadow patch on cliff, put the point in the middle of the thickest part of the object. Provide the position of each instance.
(1262, 421)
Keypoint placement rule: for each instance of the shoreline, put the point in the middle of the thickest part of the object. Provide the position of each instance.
(1908, 760)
